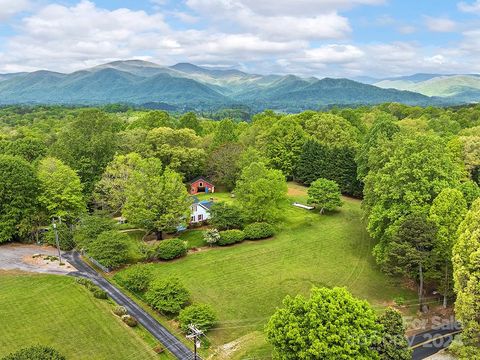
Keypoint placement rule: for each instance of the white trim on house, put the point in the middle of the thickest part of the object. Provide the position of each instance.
(199, 213)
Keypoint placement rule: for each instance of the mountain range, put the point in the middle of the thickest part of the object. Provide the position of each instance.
(455, 87)
(187, 86)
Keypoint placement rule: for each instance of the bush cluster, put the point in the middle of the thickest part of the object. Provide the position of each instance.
(170, 249)
(167, 295)
(110, 249)
(37, 352)
(259, 230)
(120, 310)
(136, 278)
(94, 289)
(129, 320)
(229, 237)
(201, 315)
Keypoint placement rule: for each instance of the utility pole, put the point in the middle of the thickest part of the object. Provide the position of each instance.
(56, 240)
(194, 334)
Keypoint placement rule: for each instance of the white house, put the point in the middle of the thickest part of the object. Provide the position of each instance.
(200, 210)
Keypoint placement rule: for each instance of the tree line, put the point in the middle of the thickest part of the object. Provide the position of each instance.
(416, 169)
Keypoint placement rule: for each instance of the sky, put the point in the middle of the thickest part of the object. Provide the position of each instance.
(337, 38)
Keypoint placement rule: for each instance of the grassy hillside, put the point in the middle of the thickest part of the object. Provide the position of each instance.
(246, 282)
(54, 310)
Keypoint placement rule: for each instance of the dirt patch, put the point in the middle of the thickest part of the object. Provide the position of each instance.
(32, 258)
(294, 191)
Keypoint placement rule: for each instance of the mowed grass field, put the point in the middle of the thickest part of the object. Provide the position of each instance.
(246, 282)
(54, 310)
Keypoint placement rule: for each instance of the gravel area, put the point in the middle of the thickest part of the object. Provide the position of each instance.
(31, 258)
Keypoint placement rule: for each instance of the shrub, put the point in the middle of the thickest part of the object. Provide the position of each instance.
(225, 216)
(170, 249)
(147, 251)
(211, 236)
(259, 230)
(99, 293)
(110, 249)
(201, 315)
(228, 237)
(120, 310)
(129, 320)
(37, 352)
(65, 237)
(85, 282)
(167, 295)
(136, 278)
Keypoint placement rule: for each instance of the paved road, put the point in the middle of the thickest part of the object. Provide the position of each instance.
(430, 342)
(169, 341)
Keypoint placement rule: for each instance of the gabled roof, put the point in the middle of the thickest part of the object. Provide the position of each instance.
(200, 178)
(206, 204)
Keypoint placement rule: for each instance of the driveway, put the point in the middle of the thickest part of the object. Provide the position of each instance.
(169, 341)
(26, 258)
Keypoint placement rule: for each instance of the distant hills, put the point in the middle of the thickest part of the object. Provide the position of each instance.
(453, 88)
(187, 86)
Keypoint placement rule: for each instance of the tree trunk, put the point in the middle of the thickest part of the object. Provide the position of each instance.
(159, 234)
(420, 287)
(445, 290)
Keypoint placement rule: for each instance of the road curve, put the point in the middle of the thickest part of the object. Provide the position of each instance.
(430, 342)
(168, 340)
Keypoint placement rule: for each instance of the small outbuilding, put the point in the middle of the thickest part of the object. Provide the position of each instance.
(201, 185)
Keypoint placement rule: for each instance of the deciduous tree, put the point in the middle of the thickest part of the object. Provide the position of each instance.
(447, 212)
(324, 194)
(331, 324)
(466, 274)
(156, 199)
(19, 188)
(260, 192)
(61, 190)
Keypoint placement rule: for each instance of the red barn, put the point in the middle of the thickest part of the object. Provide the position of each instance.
(200, 184)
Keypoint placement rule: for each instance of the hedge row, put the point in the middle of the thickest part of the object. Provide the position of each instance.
(229, 237)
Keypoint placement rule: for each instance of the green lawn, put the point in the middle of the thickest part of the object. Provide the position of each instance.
(54, 310)
(246, 282)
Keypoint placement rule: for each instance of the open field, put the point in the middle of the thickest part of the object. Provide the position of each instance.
(54, 310)
(246, 282)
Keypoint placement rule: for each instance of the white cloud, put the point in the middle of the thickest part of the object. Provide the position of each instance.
(65, 38)
(9, 8)
(306, 37)
(299, 7)
(406, 29)
(324, 24)
(334, 54)
(438, 24)
(470, 8)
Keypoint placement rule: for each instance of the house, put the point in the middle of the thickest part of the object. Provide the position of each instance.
(200, 210)
(200, 184)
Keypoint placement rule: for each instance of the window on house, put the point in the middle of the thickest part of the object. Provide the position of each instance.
(192, 219)
(200, 217)
(194, 208)
(200, 184)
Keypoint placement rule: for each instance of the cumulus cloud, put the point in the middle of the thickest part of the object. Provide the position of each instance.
(325, 23)
(67, 37)
(305, 37)
(438, 24)
(9, 8)
(470, 7)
